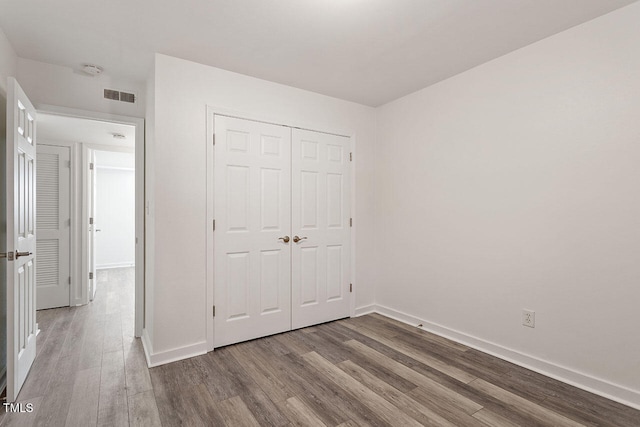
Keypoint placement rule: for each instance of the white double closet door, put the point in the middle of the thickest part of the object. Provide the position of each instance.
(282, 235)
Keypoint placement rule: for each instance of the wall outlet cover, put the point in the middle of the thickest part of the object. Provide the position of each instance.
(529, 318)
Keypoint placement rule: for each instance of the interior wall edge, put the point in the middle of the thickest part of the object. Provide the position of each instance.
(146, 346)
(564, 374)
(172, 355)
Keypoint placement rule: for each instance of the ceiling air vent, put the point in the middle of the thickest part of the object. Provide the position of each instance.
(127, 97)
(112, 94)
(116, 95)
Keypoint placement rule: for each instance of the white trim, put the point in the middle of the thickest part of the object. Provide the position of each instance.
(352, 208)
(367, 309)
(210, 185)
(279, 121)
(115, 265)
(86, 289)
(211, 112)
(564, 374)
(173, 355)
(146, 346)
(111, 148)
(91, 115)
(139, 150)
(116, 168)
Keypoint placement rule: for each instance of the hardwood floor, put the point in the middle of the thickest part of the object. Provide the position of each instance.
(369, 370)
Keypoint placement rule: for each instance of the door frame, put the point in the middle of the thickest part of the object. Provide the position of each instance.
(138, 123)
(87, 236)
(211, 112)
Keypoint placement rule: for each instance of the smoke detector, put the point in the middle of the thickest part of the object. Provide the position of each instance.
(92, 70)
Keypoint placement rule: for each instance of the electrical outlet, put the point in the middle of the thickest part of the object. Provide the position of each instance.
(529, 318)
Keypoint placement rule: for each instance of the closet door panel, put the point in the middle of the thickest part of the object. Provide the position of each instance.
(252, 205)
(320, 217)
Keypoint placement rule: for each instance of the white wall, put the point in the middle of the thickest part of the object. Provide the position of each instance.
(64, 87)
(115, 209)
(515, 185)
(182, 91)
(8, 62)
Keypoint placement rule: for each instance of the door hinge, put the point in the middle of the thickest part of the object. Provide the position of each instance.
(350, 222)
(350, 287)
(69, 280)
(69, 164)
(90, 220)
(214, 139)
(214, 225)
(351, 157)
(90, 166)
(91, 275)
(214, 311)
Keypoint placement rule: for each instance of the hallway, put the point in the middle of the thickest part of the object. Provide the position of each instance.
(88, 362)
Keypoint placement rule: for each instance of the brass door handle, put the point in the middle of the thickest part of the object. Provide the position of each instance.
(19, 254)
(296, 239)
(284, 239)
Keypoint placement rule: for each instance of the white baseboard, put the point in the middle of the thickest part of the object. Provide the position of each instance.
(361, 311)
(580, 380)
(173, 355)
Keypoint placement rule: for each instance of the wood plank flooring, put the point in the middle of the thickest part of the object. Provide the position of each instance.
(369, 370)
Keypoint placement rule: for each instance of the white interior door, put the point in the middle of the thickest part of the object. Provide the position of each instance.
(252, 176)
(320, 288)
(53, 184)
(21, 237)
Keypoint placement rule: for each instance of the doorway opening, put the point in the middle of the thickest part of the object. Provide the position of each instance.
(90, 212)
(113, 195)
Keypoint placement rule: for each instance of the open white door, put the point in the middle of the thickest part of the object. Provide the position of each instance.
(320, 252)
(21, 237)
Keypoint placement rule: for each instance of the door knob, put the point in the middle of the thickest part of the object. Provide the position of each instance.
(284, 239)
(19, 254)
(297, 239)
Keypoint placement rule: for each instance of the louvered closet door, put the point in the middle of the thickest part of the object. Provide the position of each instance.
(320, 217)
(252, 185)
(54, 226)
